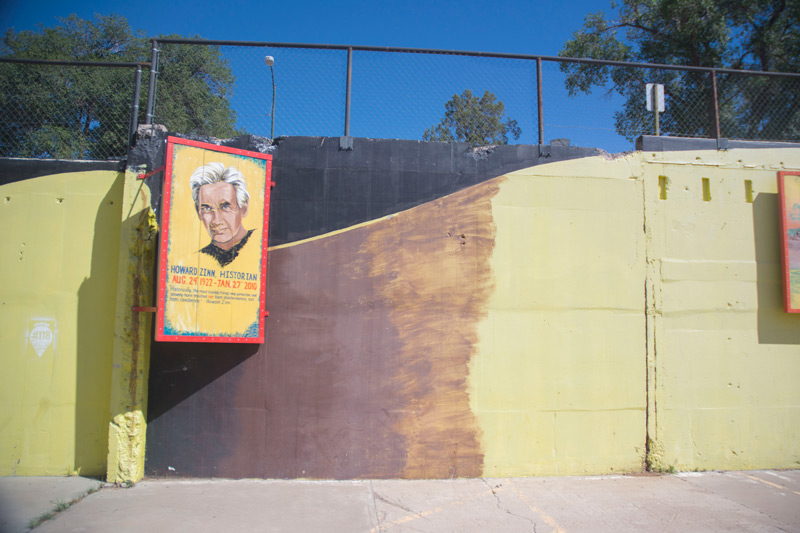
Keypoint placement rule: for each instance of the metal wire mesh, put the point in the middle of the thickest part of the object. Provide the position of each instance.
(65, 112)
(586, 119)
(403, 95)
(755, 107)
(406, 95)
(310, 92)
(226, 89)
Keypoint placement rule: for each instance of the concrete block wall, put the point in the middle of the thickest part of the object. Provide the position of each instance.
(58, 264)
(588, 315)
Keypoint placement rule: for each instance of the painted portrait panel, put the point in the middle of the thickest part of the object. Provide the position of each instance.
(213, 249)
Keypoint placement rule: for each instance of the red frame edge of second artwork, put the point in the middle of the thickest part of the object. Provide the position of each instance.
(785, 265)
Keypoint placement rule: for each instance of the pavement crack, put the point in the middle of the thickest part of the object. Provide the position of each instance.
(377, 496)
(504, 509)
(735, 502)
(378, 519)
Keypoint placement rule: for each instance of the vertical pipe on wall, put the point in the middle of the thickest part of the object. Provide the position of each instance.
(151, 90)
(539, 98)
(347, 92)
(137, 86)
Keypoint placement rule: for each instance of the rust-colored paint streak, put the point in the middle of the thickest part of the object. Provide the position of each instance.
(142, 249)
(431, 265)
(364, 369)
(133, 375)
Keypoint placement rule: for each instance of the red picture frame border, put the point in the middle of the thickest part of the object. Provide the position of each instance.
(164, 240)
(786, 274)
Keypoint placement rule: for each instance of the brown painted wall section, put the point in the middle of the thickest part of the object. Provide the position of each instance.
(365, 366)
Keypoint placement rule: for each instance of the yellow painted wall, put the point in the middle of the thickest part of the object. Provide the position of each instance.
(726, 358)
(558, 385)
(58, 263)
(619, 316)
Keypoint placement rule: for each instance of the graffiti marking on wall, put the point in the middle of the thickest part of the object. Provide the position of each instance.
(41, 334)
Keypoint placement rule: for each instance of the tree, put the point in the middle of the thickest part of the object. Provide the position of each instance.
(739, 34)
(84, 112)
(478, 121)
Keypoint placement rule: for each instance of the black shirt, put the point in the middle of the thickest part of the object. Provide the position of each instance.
(226, 257)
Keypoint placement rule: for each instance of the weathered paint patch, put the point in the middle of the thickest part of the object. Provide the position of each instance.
(127, 428)
(430, 268)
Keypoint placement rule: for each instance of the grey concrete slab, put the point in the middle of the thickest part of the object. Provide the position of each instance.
(441, 506)
(222, 505)
(23, 499)
(772, 493)
(708, 501)
(596, 504)
(636, 504)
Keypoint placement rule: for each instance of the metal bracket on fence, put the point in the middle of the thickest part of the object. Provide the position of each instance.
(345, 143)
(722, 144)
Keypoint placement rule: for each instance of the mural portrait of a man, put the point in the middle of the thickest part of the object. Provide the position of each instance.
(221, 200)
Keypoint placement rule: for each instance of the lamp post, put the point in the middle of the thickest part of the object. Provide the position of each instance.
(269, 60)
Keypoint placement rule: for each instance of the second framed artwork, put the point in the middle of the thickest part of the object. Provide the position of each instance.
(213, 244)
(789, 206)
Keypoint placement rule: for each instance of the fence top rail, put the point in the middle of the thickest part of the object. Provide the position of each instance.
(558, 59)
(73, 63)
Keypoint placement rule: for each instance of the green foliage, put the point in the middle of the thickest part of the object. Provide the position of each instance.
(478, 121)
(62, 506)
(739, 34)
(35, 522)
(84, 112)
(194, 85)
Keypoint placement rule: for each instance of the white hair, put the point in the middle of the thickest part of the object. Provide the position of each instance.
(215, 172)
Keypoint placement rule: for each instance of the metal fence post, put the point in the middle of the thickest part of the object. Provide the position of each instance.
(716, 104)
(151, 90)
(539, 99)
(137, 84)
(347, 92)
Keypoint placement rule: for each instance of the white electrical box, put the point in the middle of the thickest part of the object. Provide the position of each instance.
(655, 93)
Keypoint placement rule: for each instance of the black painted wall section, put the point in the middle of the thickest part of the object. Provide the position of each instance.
(12, 170)
(320, 188)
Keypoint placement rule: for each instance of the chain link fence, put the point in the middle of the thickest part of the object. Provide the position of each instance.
(61, 110)
(222, 89)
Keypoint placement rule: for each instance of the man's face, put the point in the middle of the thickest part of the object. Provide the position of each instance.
(218, 209)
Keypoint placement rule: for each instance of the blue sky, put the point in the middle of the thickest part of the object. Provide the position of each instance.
(525, 27)
(510, 26)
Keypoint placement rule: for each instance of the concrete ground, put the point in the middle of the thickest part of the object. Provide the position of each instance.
(710, 501)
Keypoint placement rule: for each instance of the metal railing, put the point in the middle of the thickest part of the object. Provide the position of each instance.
(381, 92)
(391, 92)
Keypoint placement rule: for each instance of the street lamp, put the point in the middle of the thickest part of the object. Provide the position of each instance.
(269, 60)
